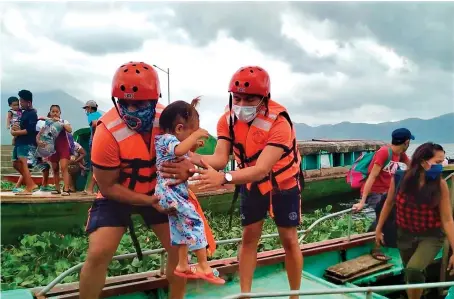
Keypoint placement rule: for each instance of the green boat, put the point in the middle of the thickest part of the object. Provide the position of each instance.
(337, 268)
(325, 163)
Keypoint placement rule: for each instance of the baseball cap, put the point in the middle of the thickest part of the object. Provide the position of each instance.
(402, 134)
(90, 103)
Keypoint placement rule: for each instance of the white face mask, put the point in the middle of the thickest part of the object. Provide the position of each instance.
(245, 113)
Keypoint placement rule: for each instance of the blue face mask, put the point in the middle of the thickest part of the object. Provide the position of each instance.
(140, 120)
(434, 171)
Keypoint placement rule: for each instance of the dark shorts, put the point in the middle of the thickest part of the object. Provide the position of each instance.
(61, 148)
(24, 151)
(111, 213)
(286, 206)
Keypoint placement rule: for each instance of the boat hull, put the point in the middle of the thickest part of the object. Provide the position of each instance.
(270, 272)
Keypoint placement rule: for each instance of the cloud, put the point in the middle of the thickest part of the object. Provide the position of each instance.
(357, 62)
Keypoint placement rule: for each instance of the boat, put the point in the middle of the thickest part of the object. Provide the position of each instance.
(337, 268)
(325, 163)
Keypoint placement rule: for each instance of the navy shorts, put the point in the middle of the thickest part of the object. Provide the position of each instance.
(111, 213)
(286, 206)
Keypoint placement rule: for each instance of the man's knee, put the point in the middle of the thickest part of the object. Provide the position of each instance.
(413, 275)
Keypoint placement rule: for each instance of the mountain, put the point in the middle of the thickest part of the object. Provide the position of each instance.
(439, 129)
(71, 109)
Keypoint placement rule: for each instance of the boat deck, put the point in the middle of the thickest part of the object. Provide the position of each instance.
(276, 281)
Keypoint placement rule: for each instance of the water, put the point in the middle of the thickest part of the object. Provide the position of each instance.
(448, 147)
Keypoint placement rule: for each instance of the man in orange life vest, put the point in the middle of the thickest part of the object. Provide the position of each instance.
(123, 158)
(264, 146)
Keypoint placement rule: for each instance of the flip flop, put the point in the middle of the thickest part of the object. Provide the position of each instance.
(378, 255)
(190, 273)
(212, 277)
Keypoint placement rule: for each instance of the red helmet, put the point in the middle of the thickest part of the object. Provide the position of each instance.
(136, 81)
(251, 80)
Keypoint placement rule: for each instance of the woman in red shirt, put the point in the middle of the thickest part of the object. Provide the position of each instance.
(423, 213)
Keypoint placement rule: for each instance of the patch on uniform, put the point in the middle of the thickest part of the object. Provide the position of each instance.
(259, 137)
(293, 216)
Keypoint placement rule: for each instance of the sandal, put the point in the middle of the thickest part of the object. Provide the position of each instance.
(212, 277)
(190, 273)
(55, 192)
(378, 255)
(65, 193)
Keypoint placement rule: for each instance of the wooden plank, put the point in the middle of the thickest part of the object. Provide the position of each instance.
(353, 267)
(358, 275)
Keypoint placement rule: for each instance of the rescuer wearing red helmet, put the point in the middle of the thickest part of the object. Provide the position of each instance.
(123, 157)
(263, 140)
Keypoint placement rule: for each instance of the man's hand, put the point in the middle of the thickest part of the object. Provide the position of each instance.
(155, 204)
(358, 207)
(15, 127)
(178, 170)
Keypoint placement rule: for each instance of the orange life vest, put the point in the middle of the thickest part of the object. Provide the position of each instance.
(249, 141)
(138, 164)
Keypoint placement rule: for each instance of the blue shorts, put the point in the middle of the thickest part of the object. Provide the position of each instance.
(111, 213)
(286, 206)
(25, 151)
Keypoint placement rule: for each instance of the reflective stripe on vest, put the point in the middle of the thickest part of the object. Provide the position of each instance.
(138, 163)
(251, 140)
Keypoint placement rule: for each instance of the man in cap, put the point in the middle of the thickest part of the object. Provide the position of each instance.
(382, 168)
(91, 110)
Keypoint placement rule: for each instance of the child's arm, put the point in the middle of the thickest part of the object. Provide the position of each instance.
(186, 145)
(67, 126)
(8, 118)
(39, 142)
(82, 155)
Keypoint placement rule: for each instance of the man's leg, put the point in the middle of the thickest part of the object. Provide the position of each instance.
(253, 210)
(287, 216)
(177, 285)
(102, 246)
(106, 224)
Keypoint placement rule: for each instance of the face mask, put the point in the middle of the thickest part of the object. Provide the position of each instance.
(140, 120)
(434, 171)
(245, 113)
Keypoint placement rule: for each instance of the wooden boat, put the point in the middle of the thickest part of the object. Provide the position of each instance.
(332, 269)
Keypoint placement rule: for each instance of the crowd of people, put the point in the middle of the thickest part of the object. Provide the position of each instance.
(46, 143)
(143, 155)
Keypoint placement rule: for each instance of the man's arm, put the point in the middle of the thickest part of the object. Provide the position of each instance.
(107, 180)
(370, 182)
(269, 156)
(218, 160)
(446, 213)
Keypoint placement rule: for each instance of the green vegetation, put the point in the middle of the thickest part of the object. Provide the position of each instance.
(38, 259)
(5, 185)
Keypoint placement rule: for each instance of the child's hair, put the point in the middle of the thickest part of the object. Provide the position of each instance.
(56, 106)
(178, 112)
(48, 114)
(11, 100)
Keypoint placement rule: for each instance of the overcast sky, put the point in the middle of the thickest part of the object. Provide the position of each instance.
(328, 62)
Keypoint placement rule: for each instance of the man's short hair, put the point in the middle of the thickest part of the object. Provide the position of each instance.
(26, 95)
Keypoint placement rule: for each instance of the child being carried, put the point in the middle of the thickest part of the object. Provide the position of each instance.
(48, 134)
(179, 122)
